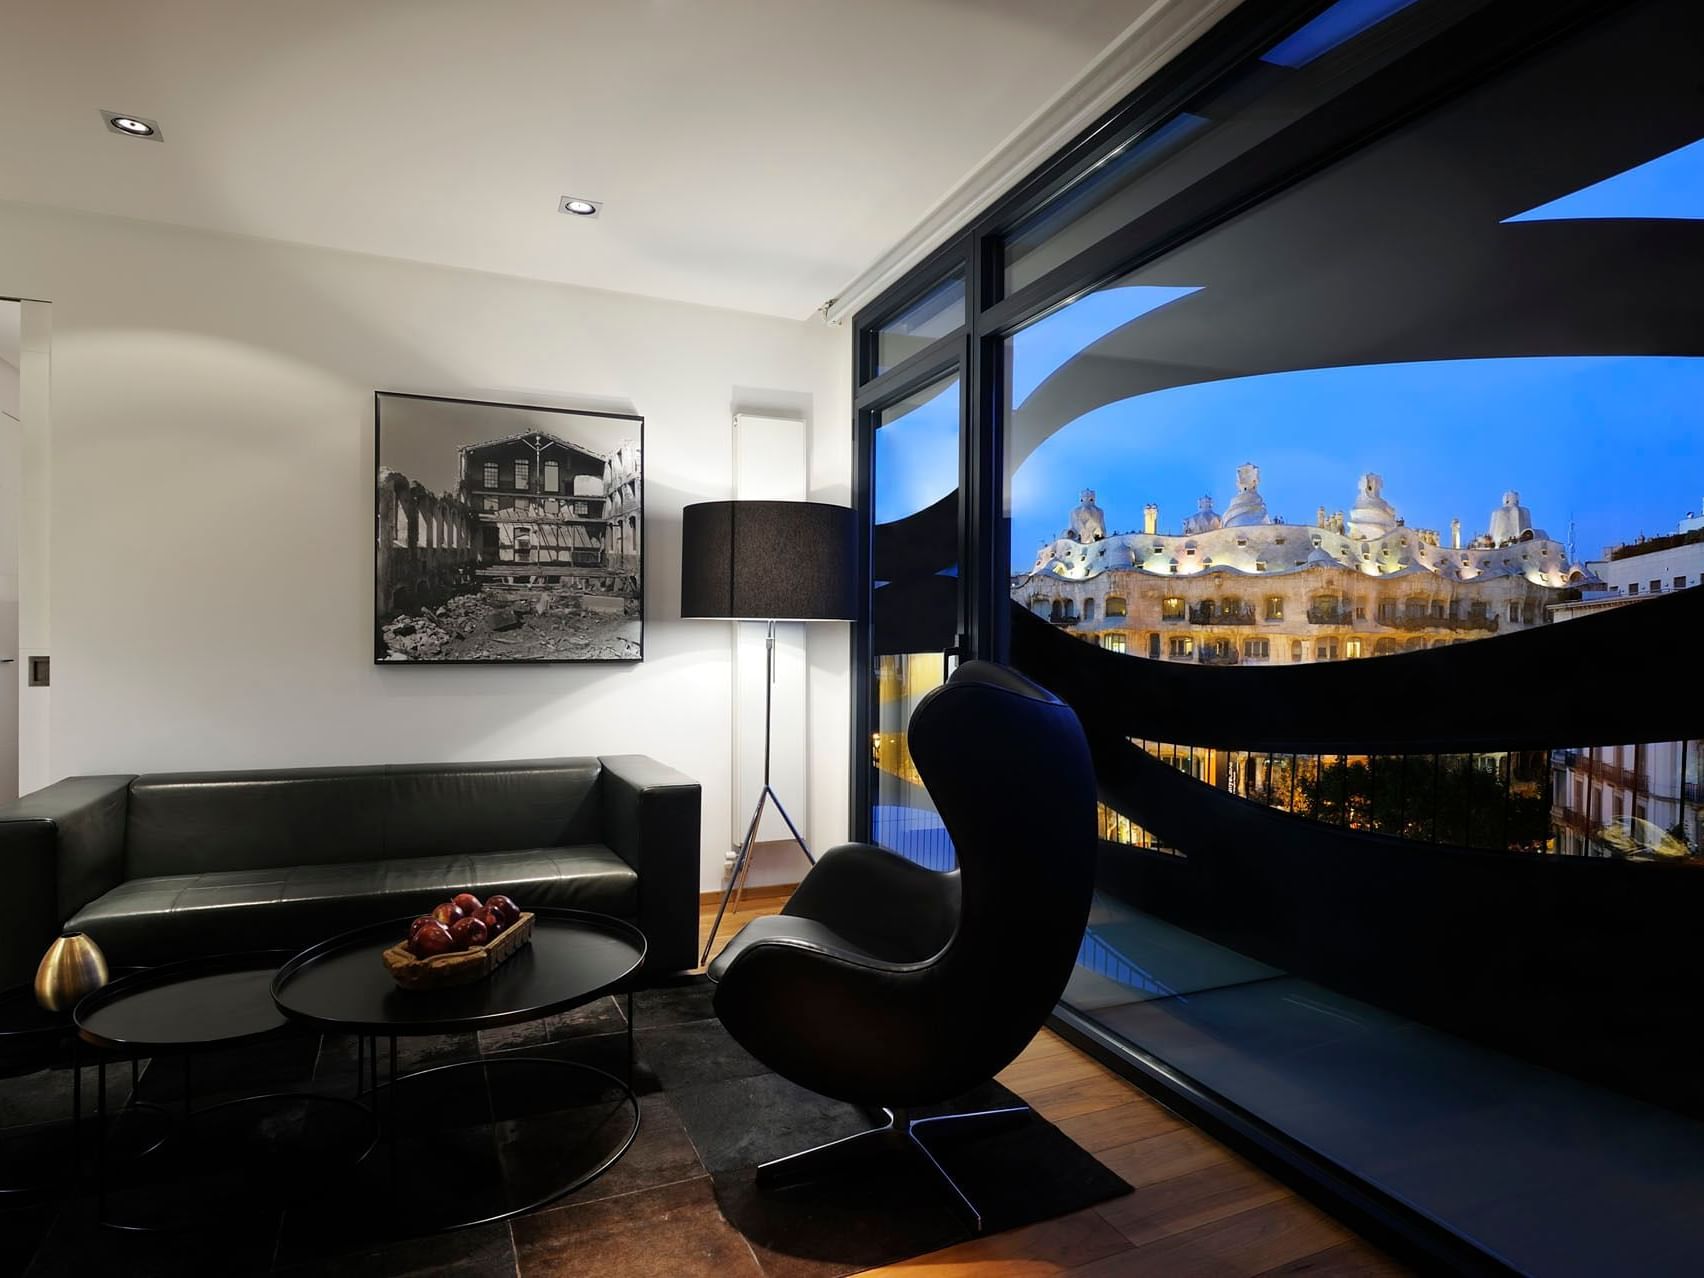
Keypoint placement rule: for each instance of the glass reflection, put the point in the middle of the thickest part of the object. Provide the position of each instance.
(914, 605)
(935, 314)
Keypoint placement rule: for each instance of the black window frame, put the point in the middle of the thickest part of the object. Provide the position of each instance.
(1441, 67)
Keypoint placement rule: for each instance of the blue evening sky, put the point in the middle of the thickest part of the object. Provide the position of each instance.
(1615, 442)
(1337, 25)
(917, 457)
(1670, 186)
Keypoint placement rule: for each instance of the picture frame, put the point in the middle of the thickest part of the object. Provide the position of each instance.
(506, 534)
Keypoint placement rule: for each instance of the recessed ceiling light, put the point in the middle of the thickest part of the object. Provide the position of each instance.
(579, 207)
(131, 126)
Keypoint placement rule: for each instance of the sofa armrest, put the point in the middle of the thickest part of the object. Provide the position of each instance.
(60, 848)
(651, 821)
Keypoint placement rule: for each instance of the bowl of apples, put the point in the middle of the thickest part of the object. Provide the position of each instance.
(462, 940)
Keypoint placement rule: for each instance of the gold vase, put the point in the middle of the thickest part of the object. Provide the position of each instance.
(72, 967)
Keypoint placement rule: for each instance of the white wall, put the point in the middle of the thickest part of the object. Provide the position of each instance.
(212, 503)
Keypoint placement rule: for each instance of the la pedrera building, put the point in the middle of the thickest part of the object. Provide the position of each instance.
(1245, 587)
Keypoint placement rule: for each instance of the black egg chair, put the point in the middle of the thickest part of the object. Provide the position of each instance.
(892, 986)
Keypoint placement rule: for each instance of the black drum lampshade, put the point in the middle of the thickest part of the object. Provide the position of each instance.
(768, 561)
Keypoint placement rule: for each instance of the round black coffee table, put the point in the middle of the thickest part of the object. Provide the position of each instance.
(481, 1140)
(44, 1156)
(181, 1009)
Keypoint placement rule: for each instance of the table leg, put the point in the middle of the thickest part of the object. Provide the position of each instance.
(629, 1038)
(100, 1140)
(76, 1110)
(395, 1120)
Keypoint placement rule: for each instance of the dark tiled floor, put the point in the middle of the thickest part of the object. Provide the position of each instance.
(673, 1229)
(679, 1202)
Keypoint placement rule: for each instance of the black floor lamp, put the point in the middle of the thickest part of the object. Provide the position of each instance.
(767, 561)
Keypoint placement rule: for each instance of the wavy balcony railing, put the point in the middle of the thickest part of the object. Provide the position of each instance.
(1206, 614)
(1384, 891)
(1513, 692)
(1425, 621)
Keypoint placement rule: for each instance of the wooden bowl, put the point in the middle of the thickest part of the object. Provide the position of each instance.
(461, 967)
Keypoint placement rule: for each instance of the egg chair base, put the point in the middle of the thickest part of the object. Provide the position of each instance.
(901, 1134)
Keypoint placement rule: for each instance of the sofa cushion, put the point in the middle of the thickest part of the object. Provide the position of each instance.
(196, 822)
(161, 919)
(438, 808)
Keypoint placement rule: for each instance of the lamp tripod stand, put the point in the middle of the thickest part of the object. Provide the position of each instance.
(766, 796)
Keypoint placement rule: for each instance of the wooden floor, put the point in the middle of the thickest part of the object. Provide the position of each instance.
(1198, 1209)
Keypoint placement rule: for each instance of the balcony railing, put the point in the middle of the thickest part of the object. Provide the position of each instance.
(1207, 657)
(1207, 614)
(1322, 615)
(1425, 621)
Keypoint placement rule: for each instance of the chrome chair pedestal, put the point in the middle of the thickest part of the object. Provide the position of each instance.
(900, 1132)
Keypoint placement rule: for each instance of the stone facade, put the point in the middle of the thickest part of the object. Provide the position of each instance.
(1246, 588)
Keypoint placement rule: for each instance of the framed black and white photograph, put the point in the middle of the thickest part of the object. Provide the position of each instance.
(506, 533)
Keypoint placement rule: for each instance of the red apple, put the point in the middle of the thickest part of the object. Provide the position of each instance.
(467, 903)
(433, 938)
(495, 923)
(448, 913)
(504, 908)
(416, 925)
(468, 932)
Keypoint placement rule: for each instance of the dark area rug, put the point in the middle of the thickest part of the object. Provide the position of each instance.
(738, 1114)
(681, 1200)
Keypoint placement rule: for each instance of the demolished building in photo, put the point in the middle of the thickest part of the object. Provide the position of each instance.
(536, 557)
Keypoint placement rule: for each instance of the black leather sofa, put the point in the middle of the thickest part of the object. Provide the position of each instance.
(176, 865)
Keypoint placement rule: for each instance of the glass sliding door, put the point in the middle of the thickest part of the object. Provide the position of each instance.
(915, 606)
(1330, 439)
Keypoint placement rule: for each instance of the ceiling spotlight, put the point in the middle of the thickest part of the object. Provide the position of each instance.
(131, 126)
(580, 208)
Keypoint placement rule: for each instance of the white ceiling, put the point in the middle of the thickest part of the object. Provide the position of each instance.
(756, 154)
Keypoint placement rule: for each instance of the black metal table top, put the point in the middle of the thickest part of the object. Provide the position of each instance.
(24, 1020)
(573, 957)
(224, 1000)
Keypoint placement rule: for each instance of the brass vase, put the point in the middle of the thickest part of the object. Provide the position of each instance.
(72, 967)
